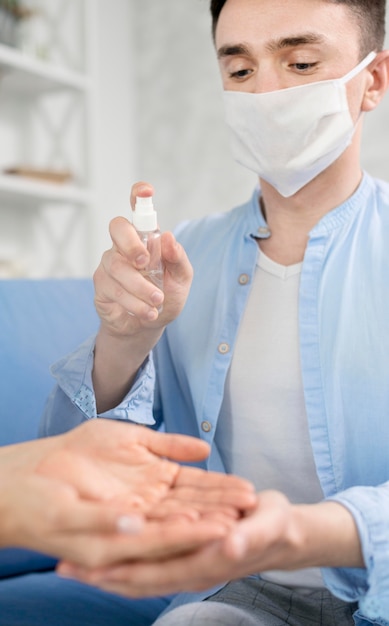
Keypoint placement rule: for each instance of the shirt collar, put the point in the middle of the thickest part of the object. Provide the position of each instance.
(259, 229)
(345, 211)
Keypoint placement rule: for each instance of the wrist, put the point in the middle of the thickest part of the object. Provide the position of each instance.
(141, 340)
(117, 360)
(9, 513)
(327, 535)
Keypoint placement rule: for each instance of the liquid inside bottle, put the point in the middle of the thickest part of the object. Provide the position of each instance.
(145, 222)
(154, 270)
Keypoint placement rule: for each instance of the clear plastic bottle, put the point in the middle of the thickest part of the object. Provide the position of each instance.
(144, 219)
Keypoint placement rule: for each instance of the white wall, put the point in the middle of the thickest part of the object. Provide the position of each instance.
(112, 157)
(184, 150)
(115, 146)
(375, 146)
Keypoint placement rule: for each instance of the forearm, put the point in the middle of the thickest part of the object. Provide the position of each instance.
(18, 490)
(9, 521)
(327, 536)
(127, 304)
(117, 360)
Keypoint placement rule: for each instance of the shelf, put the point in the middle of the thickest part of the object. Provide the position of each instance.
(48, 118)
(23, 74)
(25, 191)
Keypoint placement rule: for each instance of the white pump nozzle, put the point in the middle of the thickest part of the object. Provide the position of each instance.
(144, 218)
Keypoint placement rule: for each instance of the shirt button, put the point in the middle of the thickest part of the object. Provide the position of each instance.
(264, 230)
(223, 348)
(206, 426)
(244, 279)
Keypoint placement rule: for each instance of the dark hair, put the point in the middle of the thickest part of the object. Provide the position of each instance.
(369, 13)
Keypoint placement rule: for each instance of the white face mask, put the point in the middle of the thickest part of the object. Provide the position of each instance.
(290, 136)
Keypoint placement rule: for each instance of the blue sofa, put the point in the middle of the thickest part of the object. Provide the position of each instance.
(40, 321)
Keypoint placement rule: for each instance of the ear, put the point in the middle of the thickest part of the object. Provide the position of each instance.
(378, 81)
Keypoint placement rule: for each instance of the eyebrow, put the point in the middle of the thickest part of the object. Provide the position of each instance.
(291, 41)
(233, 50)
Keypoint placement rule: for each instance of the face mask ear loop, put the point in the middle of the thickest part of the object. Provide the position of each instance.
(361, 66)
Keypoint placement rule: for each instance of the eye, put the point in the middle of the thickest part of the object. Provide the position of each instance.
(240, 73)
(303, 67)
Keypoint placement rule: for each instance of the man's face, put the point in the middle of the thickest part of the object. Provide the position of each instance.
(266, 45)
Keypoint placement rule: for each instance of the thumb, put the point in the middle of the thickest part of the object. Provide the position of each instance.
(95, 517)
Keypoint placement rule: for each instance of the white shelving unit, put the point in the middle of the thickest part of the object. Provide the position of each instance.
(47, 121)
(30, 192)
(26, 75)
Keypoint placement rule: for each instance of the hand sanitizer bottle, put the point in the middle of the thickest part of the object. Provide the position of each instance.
(144, 219)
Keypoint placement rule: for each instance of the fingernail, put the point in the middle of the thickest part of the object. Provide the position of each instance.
(129, 524)
(156, 297)
(143, 188)
(152, 315)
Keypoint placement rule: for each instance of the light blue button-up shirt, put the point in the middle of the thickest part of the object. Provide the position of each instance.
(344, 343)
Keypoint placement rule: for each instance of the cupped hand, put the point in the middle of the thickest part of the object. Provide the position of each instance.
(105, 478)
(112, 461)
(276, 535)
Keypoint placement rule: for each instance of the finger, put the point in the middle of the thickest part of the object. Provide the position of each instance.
(190, 476)
(77, 529)
(171, 507)
(122, 286)
(171, 510)
(141, 189)
(157, 541)
(126, 438)
(173, 446)
(144, 578)
(91, 517)
(126, 241)
(204, 497)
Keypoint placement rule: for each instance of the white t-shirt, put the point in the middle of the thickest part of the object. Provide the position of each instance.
(262, 432)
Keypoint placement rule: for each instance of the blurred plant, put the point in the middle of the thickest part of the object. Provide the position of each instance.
(12, 13)
(15, 9)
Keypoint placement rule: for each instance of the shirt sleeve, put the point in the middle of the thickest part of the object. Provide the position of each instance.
(72, 400)
(370, 585)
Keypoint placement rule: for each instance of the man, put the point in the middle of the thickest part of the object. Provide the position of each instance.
(280, 357)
